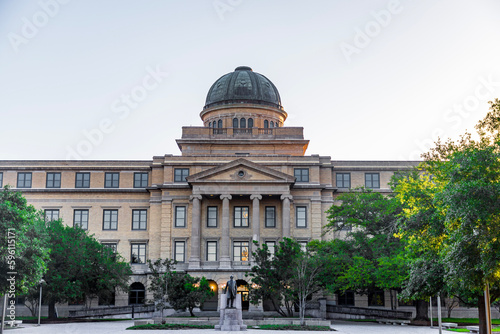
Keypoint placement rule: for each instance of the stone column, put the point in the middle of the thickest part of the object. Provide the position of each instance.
(194, 260)
(225, 260)
(255, 219)
(285, 221)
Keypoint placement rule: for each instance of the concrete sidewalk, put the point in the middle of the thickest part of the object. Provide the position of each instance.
(115, 327)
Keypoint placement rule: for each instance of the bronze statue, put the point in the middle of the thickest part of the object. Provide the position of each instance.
(230, 291)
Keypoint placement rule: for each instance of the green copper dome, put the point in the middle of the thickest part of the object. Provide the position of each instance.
(243, 86)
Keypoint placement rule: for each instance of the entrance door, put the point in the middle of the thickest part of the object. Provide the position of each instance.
(242, 289)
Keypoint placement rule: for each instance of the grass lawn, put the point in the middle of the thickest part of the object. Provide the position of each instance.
(171, 326)
(266, 327)
(467, 331)
(465, 320)
(292, 328)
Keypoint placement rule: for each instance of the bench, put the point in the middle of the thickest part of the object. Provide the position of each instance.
(12, 324)
(393, 321)
(473, 329)
(448, 325)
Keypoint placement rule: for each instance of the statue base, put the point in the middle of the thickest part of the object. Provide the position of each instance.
(231, 319)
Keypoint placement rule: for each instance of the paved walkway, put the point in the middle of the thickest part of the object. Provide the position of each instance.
(115, 327)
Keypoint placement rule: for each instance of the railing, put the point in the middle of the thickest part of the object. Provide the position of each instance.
(192, 132)
(114, 310)
(369, 312)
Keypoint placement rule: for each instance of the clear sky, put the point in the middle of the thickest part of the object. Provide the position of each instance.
(367, 79)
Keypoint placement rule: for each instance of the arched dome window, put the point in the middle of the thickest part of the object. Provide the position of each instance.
(235, 123)
(266, 124)
(272, 124)
(209, 124)
(213, 124)
(250, 123)
(219, 123)
(243, 123)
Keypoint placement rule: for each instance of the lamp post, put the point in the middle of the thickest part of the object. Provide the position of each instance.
(40, 302)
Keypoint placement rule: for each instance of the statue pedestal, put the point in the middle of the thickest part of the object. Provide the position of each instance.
(231, 319)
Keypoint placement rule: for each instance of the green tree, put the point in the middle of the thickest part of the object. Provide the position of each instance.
(23, 247)
(371, 257)
(81, 267)
(187, 292)
(454, 217)
(268, 282)
(289, 278)
(160, 270)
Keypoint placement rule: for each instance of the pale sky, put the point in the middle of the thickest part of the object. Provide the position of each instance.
(367, 79)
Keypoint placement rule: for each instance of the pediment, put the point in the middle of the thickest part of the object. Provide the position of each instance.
(241, 170)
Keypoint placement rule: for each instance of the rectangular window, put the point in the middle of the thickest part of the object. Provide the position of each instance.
(270, 216)
(343, 180)
(180, 247)
(303, 245)
(271, 246)
(346, 298)
(240, 251)
(51, 214)
(53, 180)
(372, 180)
(111, 245)
(110, 220)
(140, 180)
(241, 216)
(301, 174)
(139, 219)
(82, 180)
(1, 179)
(111, 180)
(138, 253)
(376, 298)
(180, 216)
(301, 216)
(180, 174)
(107, 299)
(24, 180)
(212, 213)
(211, 250)
(81, 219)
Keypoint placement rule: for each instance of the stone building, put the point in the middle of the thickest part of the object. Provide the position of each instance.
(242, 176)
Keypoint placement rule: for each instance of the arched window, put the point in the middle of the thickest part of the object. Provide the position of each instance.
(266, 124)
(219, 123)
(136, 294)
(243, 123)
(209, 124)
(250, 123)
(272, 124)
(235, 123)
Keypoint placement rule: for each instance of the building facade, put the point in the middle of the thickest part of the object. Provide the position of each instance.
(242, 176)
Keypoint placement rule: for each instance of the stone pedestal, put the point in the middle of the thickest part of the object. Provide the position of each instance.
(231, 319)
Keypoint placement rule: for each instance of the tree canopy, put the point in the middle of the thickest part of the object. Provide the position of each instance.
(24, 252)
(451, 215)
(81, 267)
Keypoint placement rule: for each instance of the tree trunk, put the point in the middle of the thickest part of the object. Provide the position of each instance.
(191, 311)
(422, 310)
(482, 314)
(52, 310)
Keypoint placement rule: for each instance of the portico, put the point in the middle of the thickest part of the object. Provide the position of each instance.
(246, 195)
